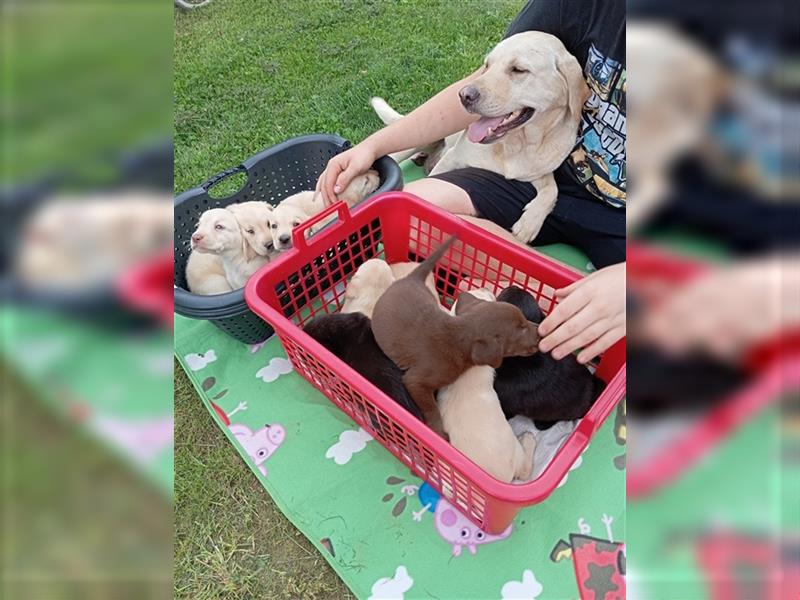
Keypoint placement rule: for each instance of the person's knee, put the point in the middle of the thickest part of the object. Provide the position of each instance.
(443, 194)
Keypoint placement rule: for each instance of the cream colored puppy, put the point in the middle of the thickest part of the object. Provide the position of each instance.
(529, 98)
(205, 275)
(301, 206)
(253, 218)
(368, 284)
(474, 420)
(218, 233)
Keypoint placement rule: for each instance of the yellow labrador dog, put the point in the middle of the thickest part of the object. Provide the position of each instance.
(529, 98)
(678, 87)
(300, 207)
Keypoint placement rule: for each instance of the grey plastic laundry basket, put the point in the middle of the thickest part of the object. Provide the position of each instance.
(272, 175)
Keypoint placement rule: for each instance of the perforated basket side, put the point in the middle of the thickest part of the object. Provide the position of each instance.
(273, 174)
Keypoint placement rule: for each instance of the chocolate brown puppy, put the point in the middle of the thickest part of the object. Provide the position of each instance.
(434, 347)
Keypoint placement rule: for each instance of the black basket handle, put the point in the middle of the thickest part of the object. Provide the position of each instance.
(215, 179)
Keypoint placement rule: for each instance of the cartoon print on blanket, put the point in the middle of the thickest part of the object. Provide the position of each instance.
(453, 527)
(259, 444)
(599, 563)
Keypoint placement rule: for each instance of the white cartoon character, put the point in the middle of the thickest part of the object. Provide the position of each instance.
(392, 588)
(259, 444)
(199, 361)
(350, 442)
(527, 589)
(274, 369)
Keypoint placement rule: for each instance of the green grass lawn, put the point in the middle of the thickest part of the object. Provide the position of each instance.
(249, 75)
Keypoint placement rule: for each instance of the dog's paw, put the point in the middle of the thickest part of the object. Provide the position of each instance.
(527, 228)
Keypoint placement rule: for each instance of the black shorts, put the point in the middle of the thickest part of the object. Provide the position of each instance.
(592, 226)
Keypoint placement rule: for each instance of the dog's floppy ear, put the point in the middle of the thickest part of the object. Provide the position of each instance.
(576, 89)
(487, 351)
(466, 302)
(247, 249)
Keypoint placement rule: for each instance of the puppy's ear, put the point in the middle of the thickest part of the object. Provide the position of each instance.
(466, 302)
(577, 92)
(247, 249)
(487, 351)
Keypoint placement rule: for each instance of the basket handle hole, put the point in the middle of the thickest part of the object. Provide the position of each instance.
(226, 184)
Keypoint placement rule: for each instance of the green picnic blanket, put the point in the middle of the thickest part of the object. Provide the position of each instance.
(384, 531)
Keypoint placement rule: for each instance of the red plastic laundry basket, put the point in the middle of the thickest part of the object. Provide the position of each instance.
(775, 366)
(309, 280)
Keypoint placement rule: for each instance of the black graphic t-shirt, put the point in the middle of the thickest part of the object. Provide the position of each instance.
(594, 32)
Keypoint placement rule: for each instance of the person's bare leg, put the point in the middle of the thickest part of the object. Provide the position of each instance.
(494, 228)
(453, 199)
(443, 194)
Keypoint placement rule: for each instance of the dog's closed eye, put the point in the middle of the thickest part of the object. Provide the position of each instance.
(516, 70)
(251, 231)
(219, 226)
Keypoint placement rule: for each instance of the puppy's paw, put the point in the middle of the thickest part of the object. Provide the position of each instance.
(528, 226)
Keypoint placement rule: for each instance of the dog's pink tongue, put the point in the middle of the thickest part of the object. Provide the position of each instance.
(478, 131)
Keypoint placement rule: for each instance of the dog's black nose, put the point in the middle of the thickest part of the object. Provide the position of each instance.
(285, 238)
(469, 95)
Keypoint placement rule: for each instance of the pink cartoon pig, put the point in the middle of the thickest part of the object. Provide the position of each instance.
(457, 530)
(259, 444)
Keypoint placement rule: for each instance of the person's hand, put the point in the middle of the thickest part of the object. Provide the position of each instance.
(590, 315)
(727, 311)
(342, 168)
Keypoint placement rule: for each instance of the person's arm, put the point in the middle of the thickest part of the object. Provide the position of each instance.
(434, 120)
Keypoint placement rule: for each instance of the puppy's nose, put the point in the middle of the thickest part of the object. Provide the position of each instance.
(285, 238)
(197, 238)
(469, 95)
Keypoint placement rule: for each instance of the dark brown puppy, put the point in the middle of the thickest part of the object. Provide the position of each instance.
(434, 347)
(349, 336)
(540, 387)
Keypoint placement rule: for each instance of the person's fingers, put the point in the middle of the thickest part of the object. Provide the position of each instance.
(571, 327)
(603, 343)
(345, 177)
(563, 311)
(331, 173)
(581, 339)
(566, 291)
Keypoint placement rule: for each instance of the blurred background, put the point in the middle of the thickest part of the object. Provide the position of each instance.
(713, 300)
(86, 350)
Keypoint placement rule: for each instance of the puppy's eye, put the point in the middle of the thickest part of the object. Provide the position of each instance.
(251, 231)
(274, 226)
(295, 223)
(219, 227)
(518, 70)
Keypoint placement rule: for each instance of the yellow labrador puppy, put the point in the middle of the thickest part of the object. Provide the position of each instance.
(218, 233)
(368, 284)
(529, 98)
(474, 420)
(253, 218)
(301, 206)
